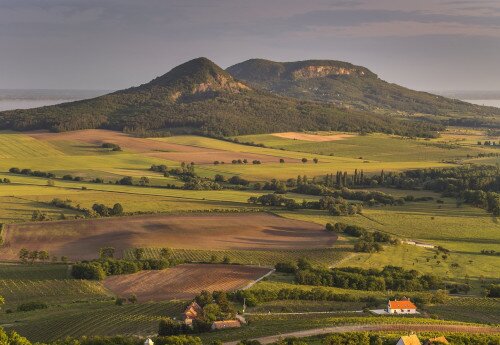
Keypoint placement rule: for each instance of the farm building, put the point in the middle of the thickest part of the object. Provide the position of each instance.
(225, 324)
(404, 306)
(409, 340)
(192, 311)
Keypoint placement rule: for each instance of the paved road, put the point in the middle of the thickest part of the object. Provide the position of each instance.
(361, 328)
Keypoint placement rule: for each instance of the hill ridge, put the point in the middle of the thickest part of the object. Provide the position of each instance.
(348, 85)
(200, 97)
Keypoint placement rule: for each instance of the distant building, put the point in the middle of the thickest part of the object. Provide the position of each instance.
(149, 342)
(409, 340)
(404, 306)
(192, 311)
(225, 324)
(438, 340)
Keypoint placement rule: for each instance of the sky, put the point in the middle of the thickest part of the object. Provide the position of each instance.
(114, 44)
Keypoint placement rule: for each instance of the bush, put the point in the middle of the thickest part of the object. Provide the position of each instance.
(286, 267)
(32, 306)
(89, 271)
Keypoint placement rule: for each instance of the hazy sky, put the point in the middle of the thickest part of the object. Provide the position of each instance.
(112, 44)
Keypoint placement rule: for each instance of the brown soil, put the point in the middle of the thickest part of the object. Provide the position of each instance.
(312, 137)
(155, 148)
(183, 281)
(81, 239)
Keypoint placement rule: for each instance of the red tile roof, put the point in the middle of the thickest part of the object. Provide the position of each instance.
(407, 304)
(226, 324)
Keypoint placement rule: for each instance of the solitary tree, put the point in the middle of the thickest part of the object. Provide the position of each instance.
(33, 255)
(43, 255)
(117, 209)
(23, 254)
(304, 160)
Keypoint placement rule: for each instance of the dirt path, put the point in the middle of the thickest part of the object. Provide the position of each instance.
(364, 328)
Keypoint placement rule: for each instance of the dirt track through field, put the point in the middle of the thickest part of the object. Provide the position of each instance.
(81, 239)
(312, 137)
(366, 328)
(183, 281)
(155, 148)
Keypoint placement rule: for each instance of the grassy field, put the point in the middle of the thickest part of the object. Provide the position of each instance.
(83, 159)
(464, 230)
(382, 147)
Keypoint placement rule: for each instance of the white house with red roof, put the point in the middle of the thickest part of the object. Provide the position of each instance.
(404, 306)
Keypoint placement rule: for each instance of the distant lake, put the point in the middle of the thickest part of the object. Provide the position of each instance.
(10, 104)
(26, 99)
(488, 102)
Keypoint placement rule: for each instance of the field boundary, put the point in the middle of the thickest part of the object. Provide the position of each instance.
(258, 280)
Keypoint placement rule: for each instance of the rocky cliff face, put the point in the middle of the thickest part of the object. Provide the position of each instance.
(309, 72)
(220, 83)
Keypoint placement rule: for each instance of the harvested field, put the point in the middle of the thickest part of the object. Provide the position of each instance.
(312, 137)
(153, 148)
(81, 239)
(183, 281)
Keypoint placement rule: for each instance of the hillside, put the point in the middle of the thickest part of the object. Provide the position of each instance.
(352, 86)
(200, 97)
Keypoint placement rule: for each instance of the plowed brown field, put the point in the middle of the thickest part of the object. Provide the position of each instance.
(81, 239)
(183, 281)
(312, 137)
(154, 148)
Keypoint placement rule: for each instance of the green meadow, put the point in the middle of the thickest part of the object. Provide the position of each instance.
(379, 147)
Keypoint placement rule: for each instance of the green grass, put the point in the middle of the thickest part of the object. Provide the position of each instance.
(20, 146)
(98, 318)
(465, 231)
(305, 306)
(379, 147)
(18, 209)
(272, 284)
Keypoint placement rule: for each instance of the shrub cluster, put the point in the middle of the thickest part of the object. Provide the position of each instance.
(390, 277)
(99, 269)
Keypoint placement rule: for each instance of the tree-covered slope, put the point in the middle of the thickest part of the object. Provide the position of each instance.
(352, 86)
(200, 97)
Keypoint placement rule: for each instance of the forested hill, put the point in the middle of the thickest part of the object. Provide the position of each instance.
(200, 97)
(348, 85)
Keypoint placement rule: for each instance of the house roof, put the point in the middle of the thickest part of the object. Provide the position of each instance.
(226, 324)
(410, 340)
(440, 339)
(192, 311)
(406, 304)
